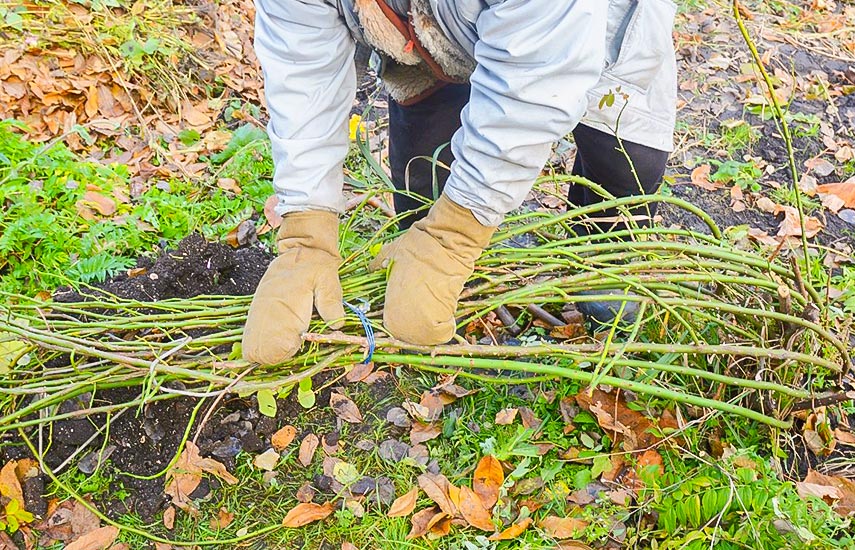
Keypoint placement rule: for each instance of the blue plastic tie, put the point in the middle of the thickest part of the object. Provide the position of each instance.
(369, 330)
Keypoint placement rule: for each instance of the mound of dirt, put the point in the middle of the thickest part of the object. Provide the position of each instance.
(195, 267)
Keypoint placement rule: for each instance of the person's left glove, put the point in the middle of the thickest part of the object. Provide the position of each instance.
(427, 268)
(304, 274)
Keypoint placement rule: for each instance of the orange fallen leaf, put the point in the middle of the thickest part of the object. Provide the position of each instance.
(223, 519)
(98, 539)
(404, 504)
(283, 437)
(613, 415)
(10, 486)
(169, 518)
(102, 204)
(230, 185)
(441, 528)
(435, 487)
(307, 449)
(473, 510)
(562, 528)
(513, 531)
(423, 520)
(505, 417)
(186, 474)
(701, 178)
(487, 480)
(306, 513)
(274, 220)
(845, 191)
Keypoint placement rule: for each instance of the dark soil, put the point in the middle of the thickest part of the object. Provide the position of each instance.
(195, 267)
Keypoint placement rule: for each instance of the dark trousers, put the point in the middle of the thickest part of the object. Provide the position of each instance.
(422, 129)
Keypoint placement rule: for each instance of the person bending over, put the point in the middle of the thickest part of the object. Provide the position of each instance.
(501, 80)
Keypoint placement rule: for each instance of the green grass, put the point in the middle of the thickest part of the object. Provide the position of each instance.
(46, 242)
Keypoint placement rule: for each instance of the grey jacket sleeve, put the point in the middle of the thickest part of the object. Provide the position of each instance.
(536, 61)
(306, 53)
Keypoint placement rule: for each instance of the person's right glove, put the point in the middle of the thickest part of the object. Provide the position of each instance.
(304, 274)
(428, 266)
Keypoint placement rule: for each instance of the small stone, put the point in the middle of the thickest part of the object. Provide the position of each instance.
(95, 459)
(847, 215)
(234, 417)
(227, 448)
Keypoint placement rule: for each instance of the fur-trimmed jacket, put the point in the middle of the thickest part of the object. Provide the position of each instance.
(537, 68)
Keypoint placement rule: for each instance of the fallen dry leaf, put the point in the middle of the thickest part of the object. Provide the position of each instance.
(572, 545)
(629, 426)
(487, 480)
(169, 518)
(513, 531)
(243, 234)
(562, 528)
(230, 185)
(842, 436)
(404, 504)
(701, 178)
(844, 191)
(423, 520)
(473, 511)
(505, 417)
(306, 513)
(223, 519)
(359, 372)
(790, 226)
(433, 403)
(274, 220)
(819, 166)
(422, 432)
(307, 449)
(441, 528)
(186, 474)
(348, 546)
(10, 486)
(102, 204)
(345, 409)
(528, 419)
(66, 522)
(97, 539)
(266, 461)
(816, 482)
(435, 487)
(283, 437)
(306, 493)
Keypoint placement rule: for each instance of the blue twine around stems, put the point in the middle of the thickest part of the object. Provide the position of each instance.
(369, 330)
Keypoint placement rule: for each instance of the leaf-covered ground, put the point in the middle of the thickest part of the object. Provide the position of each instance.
(132, 125)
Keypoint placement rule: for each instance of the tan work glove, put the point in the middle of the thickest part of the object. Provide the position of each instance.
(428, 266)
(305, 273)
